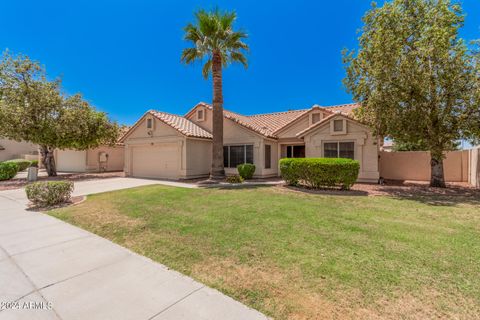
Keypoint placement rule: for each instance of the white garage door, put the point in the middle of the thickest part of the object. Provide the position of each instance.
(71, 161)
(162, 161)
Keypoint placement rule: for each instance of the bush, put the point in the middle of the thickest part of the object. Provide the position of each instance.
(234, 179)
(246, 170)
(320, 172)
(34, 163)
(49, 193)
(8, 170)
(22, 163)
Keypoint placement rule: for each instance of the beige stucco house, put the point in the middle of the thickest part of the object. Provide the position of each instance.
(11, 149)
(101, 159)
(163, 145)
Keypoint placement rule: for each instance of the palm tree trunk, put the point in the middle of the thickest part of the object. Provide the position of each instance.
(48, 160)
(437, 177)
(218, 171)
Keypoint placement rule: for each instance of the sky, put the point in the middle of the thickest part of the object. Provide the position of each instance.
(124, 56)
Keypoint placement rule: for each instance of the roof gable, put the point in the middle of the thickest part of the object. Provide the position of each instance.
(179, 123)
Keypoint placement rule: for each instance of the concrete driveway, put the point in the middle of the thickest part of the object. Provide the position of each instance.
(52, 270)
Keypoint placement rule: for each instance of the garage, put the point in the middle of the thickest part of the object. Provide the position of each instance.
(71, 160)
(158, 161)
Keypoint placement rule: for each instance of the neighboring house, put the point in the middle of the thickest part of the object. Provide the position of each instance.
(101, 159)
(163, 145)
(11, 149)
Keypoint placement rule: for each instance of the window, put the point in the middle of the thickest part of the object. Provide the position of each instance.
(235, 155)
(339, 150)
(149, 123)
(268, 156)
(338, 125)
(200, 115)
(315, 117)
(295, 151)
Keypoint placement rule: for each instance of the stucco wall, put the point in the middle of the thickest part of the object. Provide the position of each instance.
(366, 149)
(116, 159)
(16, 150)
(299, 125)
(234, 134)
(199, 157)
(415, 165)
(474, 167)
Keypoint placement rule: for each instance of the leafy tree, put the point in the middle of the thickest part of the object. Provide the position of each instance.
(415, 78)
(215, 42)
(34, 109)
(420, 145)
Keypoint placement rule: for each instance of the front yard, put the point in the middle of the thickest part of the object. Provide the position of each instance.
(297, 255)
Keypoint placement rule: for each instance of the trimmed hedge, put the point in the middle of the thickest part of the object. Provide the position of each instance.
(320, 172)
(34, 163)
(22, 163)
(49, 193)
(246, 170)
(8, 170)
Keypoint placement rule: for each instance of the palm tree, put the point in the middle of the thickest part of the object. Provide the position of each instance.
(215, 42)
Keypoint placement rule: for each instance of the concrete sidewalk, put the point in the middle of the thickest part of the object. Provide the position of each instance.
(52, 270)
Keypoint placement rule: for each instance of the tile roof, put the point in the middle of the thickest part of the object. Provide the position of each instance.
(183, 125)
(265, 124)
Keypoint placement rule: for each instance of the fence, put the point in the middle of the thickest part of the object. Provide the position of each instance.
(458, 166)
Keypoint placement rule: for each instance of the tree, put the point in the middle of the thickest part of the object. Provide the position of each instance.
(215, 42)
(420, 145)
(415, 78)
(34, 109)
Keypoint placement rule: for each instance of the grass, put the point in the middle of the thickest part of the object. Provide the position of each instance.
(294, 255)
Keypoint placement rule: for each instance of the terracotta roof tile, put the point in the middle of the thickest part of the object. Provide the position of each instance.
(181, 124)
(269, 123)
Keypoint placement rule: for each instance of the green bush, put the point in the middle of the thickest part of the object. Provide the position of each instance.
(246, 170)
(34, 163)
(48, 193)
(8, 170)
(234, 179)
(320, 172)
(22, 163)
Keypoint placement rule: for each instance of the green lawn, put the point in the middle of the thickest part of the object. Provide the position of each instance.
(304, 256)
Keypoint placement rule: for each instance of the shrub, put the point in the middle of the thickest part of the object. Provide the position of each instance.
(34, 163)
(234, 179)
(8, 170)
(320, 172)
(48, 193)
(246, 170)
(22, 163)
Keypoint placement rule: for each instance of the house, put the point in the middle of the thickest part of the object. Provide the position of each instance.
(101, 159)
(164, 145)
(11, 149)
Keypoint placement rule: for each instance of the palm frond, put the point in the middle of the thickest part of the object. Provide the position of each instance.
(207, 68)
(212, 32)
(236, 56)
(190, 54)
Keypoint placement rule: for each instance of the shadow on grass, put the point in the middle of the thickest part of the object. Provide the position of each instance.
(451, 196)
(329, 191)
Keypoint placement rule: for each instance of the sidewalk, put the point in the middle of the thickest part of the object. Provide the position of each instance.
(52, 270)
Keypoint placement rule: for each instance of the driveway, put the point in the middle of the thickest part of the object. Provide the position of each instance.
(52, 270)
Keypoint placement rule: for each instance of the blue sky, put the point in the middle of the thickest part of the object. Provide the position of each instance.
(124, 56)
